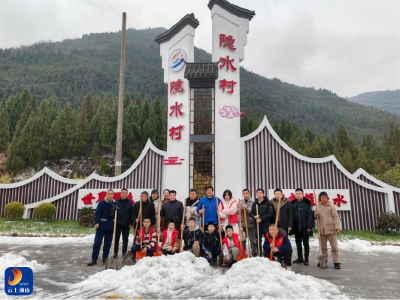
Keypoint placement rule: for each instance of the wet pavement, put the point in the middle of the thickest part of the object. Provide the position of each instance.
(362, 275)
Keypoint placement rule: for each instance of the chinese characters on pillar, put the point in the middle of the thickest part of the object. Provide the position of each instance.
(176, 109)
(176, 87)
(175, 132)
(227, 42)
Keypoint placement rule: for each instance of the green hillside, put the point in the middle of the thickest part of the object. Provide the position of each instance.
(72, 68)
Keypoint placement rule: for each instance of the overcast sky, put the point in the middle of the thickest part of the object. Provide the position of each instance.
(347, 46)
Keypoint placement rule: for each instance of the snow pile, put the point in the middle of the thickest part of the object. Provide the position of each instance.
(41, 241)
(185, 276)
(28, 252)
(360, 246)
(12, 259)
(260, 278)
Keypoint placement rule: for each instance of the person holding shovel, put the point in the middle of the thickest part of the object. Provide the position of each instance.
(104, 224)
(146, 239)
(285, 220)
(232, 247)
(193, 237)
(191, 204)
(208, 206)
(329, 223)
(247, 203)
(281, 248)
(124, 222)
(262, 212)
(148, 209)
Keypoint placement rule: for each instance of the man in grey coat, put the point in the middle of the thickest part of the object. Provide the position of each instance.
(246, 204)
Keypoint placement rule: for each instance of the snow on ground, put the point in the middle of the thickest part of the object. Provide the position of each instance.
(359, 246)
(185, 276)
(43, 241)
(12, 259)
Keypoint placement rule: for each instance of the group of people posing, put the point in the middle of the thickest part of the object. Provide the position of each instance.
(212, 227)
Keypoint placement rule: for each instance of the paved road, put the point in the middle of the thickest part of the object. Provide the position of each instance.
(362, 275)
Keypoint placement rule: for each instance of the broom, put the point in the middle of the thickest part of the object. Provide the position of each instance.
(113, 263)
(240, 256)
(140, 254)
(158, 252)
(129, 254)
(276, 228)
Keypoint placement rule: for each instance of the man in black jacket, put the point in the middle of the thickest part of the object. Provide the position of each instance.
(124, 222)
(193, 237)
(173, 210)
(285, 220)
(302, 225)
(264, 216)
(148, 209)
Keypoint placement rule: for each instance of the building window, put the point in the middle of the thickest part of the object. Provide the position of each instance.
(202, 111)
(202, 166)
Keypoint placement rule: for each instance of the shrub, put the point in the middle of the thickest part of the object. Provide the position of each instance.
(388, 222)
(44, 212)
(86, 217)
(14, 210)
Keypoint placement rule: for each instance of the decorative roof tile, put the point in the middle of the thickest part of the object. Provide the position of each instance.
(233, 9)
(189, 19)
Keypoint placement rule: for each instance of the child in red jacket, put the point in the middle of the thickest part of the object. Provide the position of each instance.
(149, 239)
(169, 238)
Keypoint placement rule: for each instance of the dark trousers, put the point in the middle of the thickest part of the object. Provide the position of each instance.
(166, 252)
(125, 235)
(263, 232)
(214, 254)
(137, 248)
(98, 240)
(299, 237)
(287, 256)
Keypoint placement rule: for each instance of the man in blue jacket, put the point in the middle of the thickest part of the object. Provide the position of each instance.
(280, 248)
(210, 207)
(104, 224)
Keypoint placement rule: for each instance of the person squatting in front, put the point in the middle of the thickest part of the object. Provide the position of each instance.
(211, 243)
(231, 246)
(192, 237)
(281, 248)
(146, 239)
(170, 240)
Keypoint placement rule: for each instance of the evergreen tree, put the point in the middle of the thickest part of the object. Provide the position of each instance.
(4, 129)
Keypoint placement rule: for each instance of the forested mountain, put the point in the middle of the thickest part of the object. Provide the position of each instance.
(60, 100)
(385, 100)
(75, 67)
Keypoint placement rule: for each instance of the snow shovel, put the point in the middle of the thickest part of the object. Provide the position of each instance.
(221, 256)
(203, 219)
(240, 256)
(258, 233)
(113, 263)
(247, 234)
(183, 223)
(321, 259)
(129, 254)
(158, 252)
(140, 254)
(276, 228)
